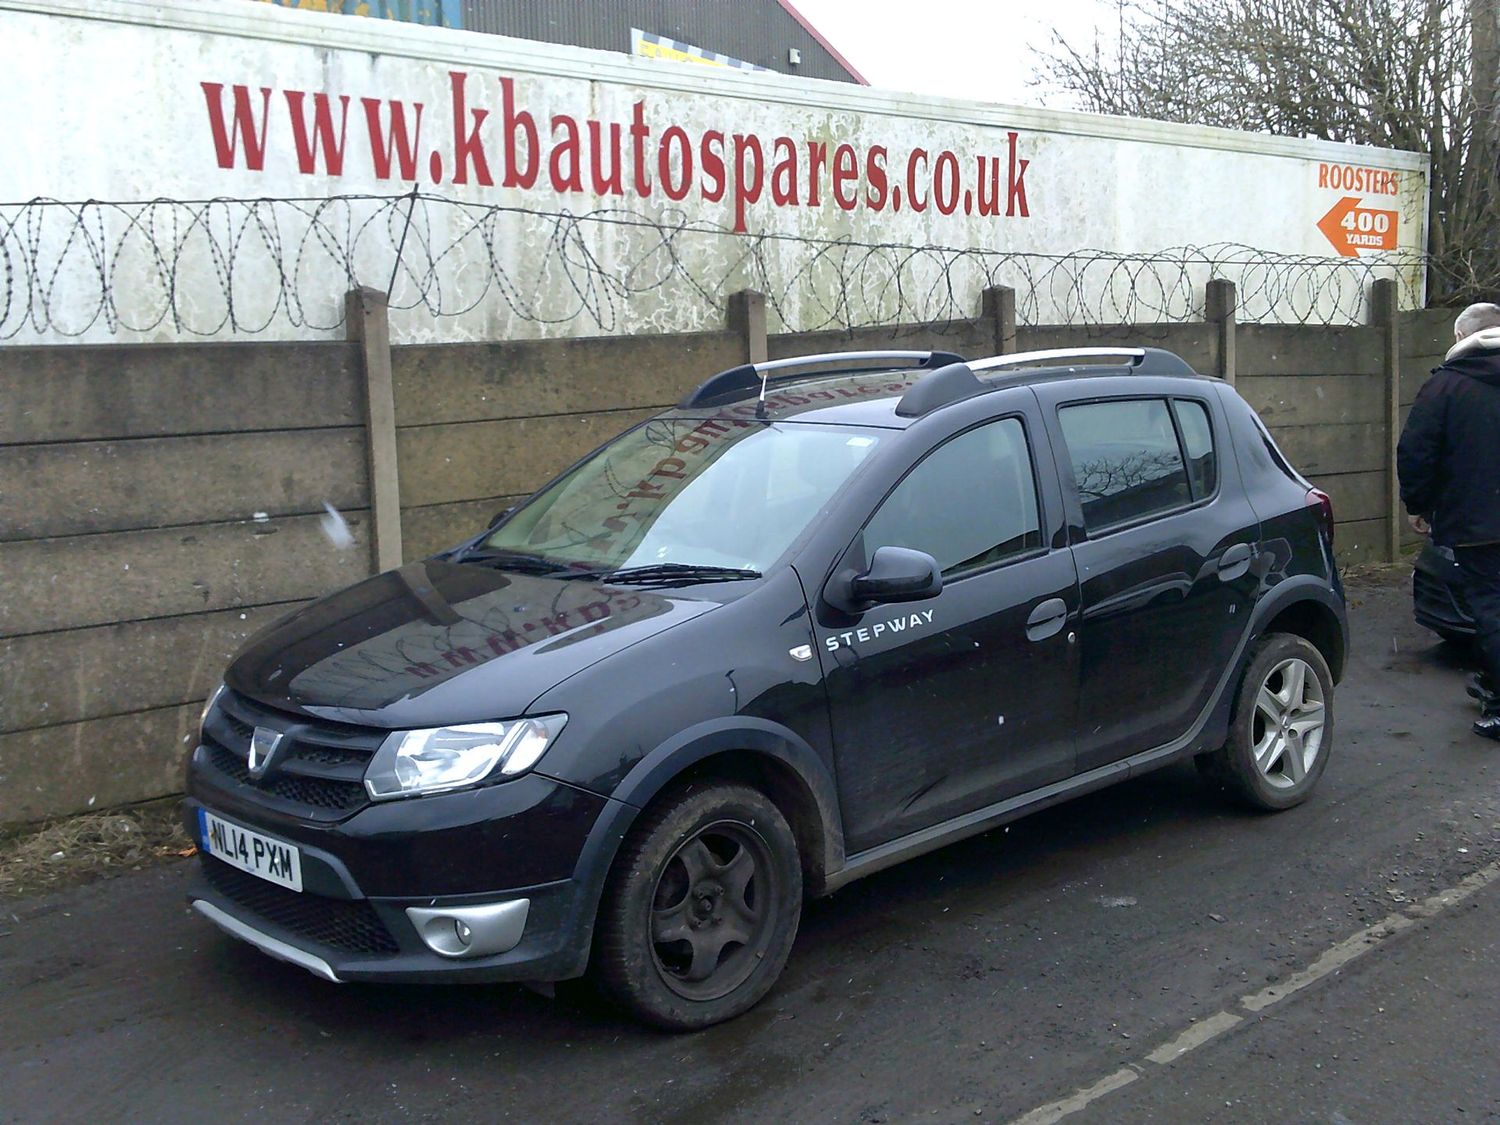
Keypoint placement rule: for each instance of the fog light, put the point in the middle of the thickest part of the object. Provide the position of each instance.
(471, 931)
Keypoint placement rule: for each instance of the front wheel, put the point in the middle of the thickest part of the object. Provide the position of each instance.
(701, 909)
(1282, 729)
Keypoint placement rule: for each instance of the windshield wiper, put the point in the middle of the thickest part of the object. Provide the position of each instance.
(679, 572)
(512, 560)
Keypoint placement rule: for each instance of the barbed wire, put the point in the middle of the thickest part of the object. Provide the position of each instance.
(236, 267)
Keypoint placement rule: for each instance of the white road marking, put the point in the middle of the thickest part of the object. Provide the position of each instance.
(1444, 899)
(1205, 1031)
(1055, 1111)
(1330, 961)
(1194, 1037)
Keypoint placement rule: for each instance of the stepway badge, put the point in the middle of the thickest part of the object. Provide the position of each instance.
(913, 622)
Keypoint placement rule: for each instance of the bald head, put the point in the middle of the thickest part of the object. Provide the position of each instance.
(1476, 318)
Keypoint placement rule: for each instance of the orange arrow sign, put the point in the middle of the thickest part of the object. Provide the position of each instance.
(1352, 228)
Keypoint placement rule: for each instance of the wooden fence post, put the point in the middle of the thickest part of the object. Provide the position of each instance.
(1221, 308)
(1385, 313)
(366, 317)
(998, 308)
(747, 318)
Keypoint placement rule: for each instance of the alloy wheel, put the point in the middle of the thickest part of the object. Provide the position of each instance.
(1288, 724)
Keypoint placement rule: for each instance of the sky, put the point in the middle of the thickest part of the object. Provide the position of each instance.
(976, 49)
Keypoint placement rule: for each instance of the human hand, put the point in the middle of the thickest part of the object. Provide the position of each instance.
(1419, 525)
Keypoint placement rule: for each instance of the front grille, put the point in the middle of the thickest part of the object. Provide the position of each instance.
(350, 925)
(319, 770)
(315, 792)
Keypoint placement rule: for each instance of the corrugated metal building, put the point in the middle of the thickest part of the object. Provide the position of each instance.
(766, 33)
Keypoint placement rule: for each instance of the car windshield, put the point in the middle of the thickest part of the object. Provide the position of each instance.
(715, 493)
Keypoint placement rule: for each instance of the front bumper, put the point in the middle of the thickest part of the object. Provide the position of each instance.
(373, 882)
(376, 940)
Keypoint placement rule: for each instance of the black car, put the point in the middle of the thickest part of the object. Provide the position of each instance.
(826, 614)
(1438, 596)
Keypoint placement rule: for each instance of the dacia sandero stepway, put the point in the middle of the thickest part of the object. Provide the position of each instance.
(824, 615)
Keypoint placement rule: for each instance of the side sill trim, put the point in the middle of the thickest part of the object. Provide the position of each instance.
(980, 820)
(264, 942)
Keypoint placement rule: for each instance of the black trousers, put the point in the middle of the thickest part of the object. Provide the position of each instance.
(1480, 567)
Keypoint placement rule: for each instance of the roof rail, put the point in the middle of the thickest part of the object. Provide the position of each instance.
(957, 380)
(1144, 361)
(739, 381)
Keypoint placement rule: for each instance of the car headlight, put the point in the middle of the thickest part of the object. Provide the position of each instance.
(443, 758)
(208, 705)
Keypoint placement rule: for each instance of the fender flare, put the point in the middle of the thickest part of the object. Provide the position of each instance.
(1213, 723)
(1303, 588)
(656, 771)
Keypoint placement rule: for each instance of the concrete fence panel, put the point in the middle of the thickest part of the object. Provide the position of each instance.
(157, 504)
(482, 425)
(1198, 344)
(87, 392)
(1320, 391)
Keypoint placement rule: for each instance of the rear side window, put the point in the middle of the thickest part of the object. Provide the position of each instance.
(970, 503)
(1126, 460)
(1198, 444)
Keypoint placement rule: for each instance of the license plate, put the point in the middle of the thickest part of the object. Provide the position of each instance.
(272, 860)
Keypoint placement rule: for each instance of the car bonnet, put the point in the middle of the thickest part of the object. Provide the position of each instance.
(436, 643)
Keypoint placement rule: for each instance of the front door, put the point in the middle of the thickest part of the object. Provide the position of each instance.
(944, 706)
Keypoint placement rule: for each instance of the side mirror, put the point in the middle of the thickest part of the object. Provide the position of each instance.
(898, 574)
(499, 517)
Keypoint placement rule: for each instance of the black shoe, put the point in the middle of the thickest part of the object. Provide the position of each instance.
(1489, 726)
(1478, 687)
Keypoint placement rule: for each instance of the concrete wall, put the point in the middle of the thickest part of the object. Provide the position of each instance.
(133, 560)
(1321, 393)
(481, 425)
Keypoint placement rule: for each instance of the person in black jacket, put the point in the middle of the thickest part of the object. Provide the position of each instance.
(1448, 461)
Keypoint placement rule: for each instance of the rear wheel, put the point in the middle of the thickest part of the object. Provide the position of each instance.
(1282, 729)
(701, 909)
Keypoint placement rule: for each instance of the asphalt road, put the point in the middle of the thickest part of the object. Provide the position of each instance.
(1300, 957)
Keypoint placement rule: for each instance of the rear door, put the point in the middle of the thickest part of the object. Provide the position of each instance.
(1164, 564)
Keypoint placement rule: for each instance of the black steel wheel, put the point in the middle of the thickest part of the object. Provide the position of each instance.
(702, 908)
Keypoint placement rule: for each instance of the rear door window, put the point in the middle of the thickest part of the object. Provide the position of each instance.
(1126, 459)
(1198, 444)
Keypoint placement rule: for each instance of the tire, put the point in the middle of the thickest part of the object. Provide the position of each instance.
(1267, 763)
(701, 908)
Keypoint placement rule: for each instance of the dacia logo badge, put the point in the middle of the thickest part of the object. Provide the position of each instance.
(263, 744)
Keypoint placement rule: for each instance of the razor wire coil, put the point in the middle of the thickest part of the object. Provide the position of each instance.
(225, 268)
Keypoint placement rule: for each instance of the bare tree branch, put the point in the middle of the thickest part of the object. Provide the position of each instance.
(1421, 75)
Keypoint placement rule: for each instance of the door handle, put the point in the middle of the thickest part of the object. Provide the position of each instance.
(1047, 619)
(1234, 562)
